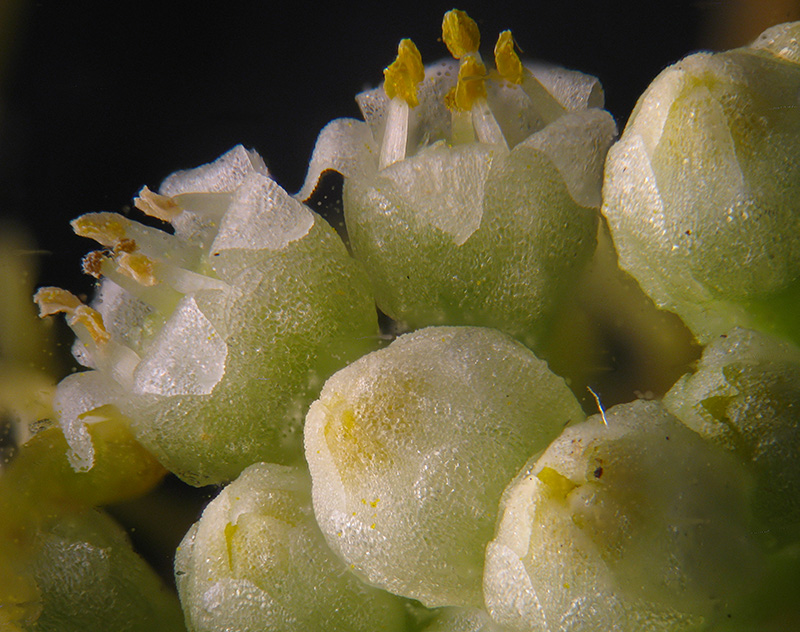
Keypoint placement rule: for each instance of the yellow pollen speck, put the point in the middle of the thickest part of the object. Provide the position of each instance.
(460, 33)
(506, 59)
(404, 74)
(470, 87)
(375, 502)
(107, 229)
(157, 205)
(54, 300)
(556, 482)
(372, 526)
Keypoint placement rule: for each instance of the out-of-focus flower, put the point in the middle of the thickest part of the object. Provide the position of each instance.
(28, 360)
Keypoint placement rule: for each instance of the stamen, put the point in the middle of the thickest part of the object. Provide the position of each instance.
(402, 78)
(460, 33)
(404, 74)
(471, 84)
(511, 69)
(120, 234)
(156, 205)
(158, 296)
(471, 114)
(469, 87)
(54, 300)
(107, 229)
(138, 273)
(506, 59)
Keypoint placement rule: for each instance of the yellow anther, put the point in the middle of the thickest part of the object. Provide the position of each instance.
(506, 59)
(460, 33)
(470, 87)
(404, 73)
(156, 205)
(107, 229)
(93, 321)
(137, 266)
(54, 300)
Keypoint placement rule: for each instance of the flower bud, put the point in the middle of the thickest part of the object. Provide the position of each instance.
(411, 446)
(627, 518)
(702, 193)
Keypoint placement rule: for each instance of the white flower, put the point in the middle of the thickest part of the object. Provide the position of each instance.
(470, 196)
(212, 340)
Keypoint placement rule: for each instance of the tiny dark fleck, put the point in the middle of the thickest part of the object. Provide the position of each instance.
(598, 472)
(689, 232)
(667, 438)
(215, 254)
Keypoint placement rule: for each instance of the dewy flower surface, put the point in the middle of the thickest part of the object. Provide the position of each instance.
(256, 560)
(745, 396)
(472, 201)
(629, 521)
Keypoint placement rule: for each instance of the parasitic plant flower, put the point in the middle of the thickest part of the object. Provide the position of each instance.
(256, 560)
(471, 193)
(212, 340)
(628, 521)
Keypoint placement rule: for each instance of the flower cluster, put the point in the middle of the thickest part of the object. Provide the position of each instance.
(449, 481)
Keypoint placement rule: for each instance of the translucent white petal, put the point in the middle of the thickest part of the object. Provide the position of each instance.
(223, 175)
(187, 356)
(342, 145)
(577, 144)
(445, 186)
(76, 395)
(262, 216)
